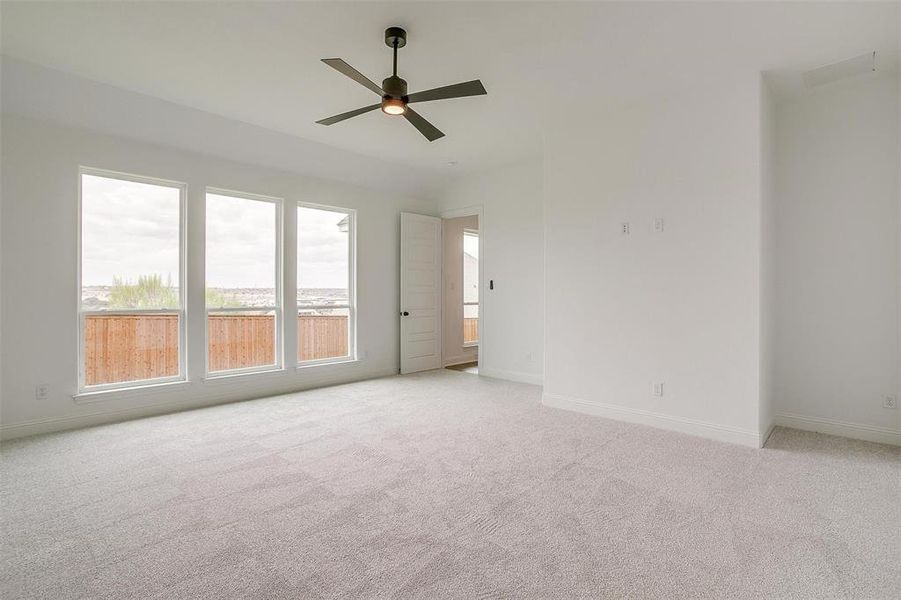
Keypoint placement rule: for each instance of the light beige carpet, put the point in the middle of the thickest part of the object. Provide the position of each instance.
(441, 485)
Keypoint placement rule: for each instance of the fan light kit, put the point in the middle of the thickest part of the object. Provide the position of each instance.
(395, 100)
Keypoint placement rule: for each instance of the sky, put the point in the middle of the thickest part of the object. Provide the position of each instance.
(322, 249)
(471, 274)
(128, 229)
(131, 229)
(471, 245)
(240, 242)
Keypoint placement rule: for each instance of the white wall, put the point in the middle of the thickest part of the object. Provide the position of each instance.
(49, 95)
(837, 237)
(452, 309)
(39, 184)
(511, 327)
(767, 261)
(680, 307)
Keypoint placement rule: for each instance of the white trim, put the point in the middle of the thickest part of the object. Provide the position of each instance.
(764, 436)
(241, 309)
(226, 373)
(857, 431)
(722, 433)
(315, 362)
(320, 307)
(132, 311)
(181, 311)
(465, 211)
(141, 389)
(319, 362)
(521, 377)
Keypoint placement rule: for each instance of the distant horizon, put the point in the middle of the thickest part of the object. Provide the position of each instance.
(97, 297)
(175, 287)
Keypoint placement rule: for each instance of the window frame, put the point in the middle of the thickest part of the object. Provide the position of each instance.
(181, 311)
(278, 334)
(351, 305)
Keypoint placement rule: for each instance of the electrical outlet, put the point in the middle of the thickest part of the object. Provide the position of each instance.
(658, 225)
(624, 228)
(41, 391)
(890, 402)
(657, 388)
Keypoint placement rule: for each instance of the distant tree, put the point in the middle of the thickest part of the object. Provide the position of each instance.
(216, 298)
(148, 292)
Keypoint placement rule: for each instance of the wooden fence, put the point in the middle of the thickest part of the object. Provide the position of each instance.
(129, 347)
(240, 341)
(321, 336)
(470, 330)
(132, 347)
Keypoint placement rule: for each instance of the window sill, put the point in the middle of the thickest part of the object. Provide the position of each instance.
(471, 345)
(227, 375)
(156, 389)
(92, 396)
(326, 362)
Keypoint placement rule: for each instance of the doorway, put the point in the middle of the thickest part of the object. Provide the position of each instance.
(461, 302)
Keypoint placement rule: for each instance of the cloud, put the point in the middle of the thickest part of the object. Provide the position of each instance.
(128, 229)
(131, 229)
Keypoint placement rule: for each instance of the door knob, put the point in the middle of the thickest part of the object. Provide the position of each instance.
(405, 313)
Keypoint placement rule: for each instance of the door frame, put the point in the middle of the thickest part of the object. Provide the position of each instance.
(468, 211)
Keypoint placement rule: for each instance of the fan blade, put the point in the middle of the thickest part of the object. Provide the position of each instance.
(342, 67)
(457, 90)
(347, 115)
(431, 132)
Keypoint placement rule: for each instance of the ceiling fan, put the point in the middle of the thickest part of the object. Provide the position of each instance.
(395, 100)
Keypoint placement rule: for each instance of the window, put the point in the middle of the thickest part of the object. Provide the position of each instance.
(130, 277)
(325, 284)
(243, 282)
(470, 287)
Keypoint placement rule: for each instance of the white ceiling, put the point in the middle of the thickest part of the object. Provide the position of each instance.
(258, 62)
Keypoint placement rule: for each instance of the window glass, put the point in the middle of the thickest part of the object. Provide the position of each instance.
(470, 287)
(324, 283)
(131, 301)
(242, 296)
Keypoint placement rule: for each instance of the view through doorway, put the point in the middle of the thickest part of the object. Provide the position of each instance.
(461, 307)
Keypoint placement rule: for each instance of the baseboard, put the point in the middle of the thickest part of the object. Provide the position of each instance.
(9, 431)
(764, 436)
(857, 431)
(712, 431)
(517, 376)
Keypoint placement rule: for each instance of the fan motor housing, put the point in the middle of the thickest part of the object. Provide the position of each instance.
(394, 86)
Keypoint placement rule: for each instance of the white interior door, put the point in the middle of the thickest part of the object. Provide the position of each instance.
(420, 293)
